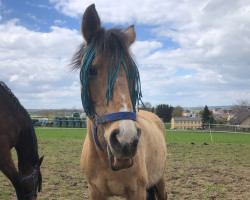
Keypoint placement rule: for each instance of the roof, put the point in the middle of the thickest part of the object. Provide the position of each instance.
(240, 117)
(221, 117)
(187, 118)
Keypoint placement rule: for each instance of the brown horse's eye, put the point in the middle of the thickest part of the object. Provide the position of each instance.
(93, 71)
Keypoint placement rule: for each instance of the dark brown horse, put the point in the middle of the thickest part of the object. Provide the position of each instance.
(16, 130)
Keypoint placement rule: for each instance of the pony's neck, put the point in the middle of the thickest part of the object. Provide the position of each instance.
(27, 150)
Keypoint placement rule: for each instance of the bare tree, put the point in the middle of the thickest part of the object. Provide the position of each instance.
(177, 112)
(147, 106)
(241, 106)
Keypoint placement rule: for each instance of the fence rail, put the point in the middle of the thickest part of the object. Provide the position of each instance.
(227, 128)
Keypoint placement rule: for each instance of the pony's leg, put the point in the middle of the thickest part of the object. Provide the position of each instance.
(7, 166)
(162, 193)
(95, 194)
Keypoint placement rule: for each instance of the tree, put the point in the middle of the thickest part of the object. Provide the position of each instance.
(207, 116)
(177, 111)
(164, 111)
(147, 106)
(241, 106)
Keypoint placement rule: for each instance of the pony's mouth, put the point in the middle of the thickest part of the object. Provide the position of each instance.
(118, 163)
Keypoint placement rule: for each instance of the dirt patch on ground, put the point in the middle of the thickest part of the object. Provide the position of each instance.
(208, 171)
(215, 171)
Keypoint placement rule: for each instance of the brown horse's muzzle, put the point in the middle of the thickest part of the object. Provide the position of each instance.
(122, 147)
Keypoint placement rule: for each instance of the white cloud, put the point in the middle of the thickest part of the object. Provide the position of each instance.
(212, 43)
(59, 22)
(139, 11)
(215, 42)
(18, 41)
(144, 48)
(33, 64)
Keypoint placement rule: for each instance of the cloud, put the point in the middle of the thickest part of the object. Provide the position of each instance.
(18, 41)
(139, 11)
(214, 41)
(59, 22)
(144, 48)
(209, 64)
(33, 64)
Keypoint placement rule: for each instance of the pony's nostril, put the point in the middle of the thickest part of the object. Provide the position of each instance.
(135, 143)
(138, 132)
(114, 141)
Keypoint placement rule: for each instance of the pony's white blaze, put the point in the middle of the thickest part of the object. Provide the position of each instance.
(127, 127)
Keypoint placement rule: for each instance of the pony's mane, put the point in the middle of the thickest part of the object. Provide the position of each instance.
(107, 42)
(109, 45)
(22, 112)
(17, 103)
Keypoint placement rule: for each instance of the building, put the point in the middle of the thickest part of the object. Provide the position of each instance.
(217, 111)
(224, 117)
(242, 119)
(186, 123)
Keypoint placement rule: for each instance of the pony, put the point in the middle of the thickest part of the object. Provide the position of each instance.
(16, 130)
(124, 153)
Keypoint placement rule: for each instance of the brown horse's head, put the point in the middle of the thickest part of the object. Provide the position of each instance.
(32, 180)
(108, 94)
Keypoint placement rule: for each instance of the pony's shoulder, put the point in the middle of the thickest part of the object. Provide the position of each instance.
(151, 118)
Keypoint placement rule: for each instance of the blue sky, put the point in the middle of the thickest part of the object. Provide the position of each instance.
(189, 53)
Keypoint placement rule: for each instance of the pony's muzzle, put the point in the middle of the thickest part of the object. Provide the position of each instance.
(122, 148)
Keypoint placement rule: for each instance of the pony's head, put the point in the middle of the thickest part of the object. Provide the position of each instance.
(32, 180)
(110, 83)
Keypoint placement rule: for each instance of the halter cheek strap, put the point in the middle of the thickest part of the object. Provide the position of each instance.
(109, 118)
(34, 183)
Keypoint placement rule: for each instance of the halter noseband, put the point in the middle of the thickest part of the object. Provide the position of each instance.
(109, 118)
(32, 175)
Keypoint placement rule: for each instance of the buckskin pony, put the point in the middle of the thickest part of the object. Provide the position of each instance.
(16, 130)
(124, 153)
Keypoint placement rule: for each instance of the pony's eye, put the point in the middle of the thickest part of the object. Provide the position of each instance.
(93, 71)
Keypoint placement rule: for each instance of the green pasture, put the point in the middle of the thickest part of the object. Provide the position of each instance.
(61, 133)
(204, 136)
(198, 137)
(194, 171)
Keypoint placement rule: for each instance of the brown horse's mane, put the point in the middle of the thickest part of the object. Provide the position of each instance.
(107, 42)
(22, 112)
(15, 100)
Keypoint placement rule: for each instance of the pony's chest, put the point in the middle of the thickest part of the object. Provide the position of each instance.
(113, 187)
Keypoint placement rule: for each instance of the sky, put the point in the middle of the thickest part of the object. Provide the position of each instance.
(189, 52)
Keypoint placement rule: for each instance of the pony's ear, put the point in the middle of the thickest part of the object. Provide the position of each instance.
(91, 23)
(41, 160)
(131, 34)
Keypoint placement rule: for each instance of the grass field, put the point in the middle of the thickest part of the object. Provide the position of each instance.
(219, 170)
(171, 136)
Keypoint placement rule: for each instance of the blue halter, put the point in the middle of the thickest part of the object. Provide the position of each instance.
(32, 176)
(109, 118)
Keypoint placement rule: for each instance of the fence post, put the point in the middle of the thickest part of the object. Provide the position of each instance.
(210, 133)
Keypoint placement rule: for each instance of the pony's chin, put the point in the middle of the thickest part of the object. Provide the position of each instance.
(118, 163)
